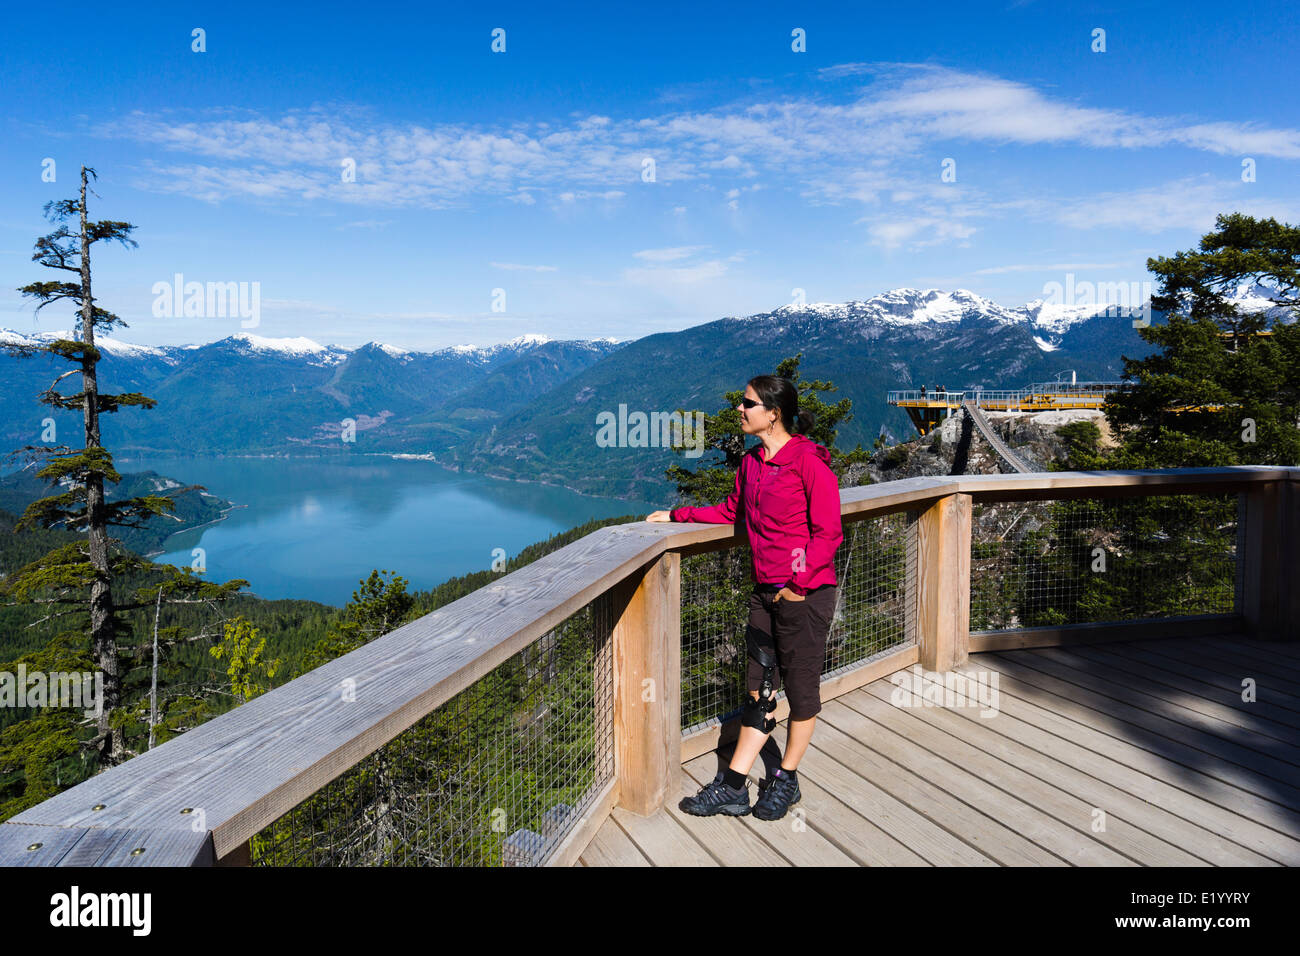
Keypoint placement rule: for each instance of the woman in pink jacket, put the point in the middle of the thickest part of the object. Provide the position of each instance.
(789, 500)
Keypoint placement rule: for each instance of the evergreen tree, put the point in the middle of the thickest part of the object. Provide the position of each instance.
(376, 608)
(1218, 392)
(60, 576)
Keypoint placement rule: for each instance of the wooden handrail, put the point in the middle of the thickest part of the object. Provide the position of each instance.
(248, 767)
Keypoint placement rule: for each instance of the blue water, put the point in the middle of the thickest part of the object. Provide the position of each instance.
(314, 529)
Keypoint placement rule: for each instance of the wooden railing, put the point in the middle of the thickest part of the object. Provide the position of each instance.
(199, 798)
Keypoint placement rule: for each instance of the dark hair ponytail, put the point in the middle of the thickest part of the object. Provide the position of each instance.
(780, 394)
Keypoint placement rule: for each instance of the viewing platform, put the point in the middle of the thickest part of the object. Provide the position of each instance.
(927, 407)
(1129, 637)
(1148, 738)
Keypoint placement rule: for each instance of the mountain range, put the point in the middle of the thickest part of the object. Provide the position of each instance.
(527, 409)
(246, 394)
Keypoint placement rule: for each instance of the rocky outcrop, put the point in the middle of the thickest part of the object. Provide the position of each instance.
(957, 448)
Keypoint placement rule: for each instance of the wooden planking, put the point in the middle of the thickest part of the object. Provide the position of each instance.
(161, 848)
(662, 840)
(985, 834)
(1163, 725)
(839, 816)
(1151, 815)
(1281, 702)
(728, 840)
(1063, 792)
(102, 846)
(919, 492)
(611, 847)
(1093, 773)
(1209, 708)
(1202, 690)
(1253, 821)
(1107, 484)
(913, 829)
(1282, 651)
(1274, 655)
(802, 846)
(964, 772)
(55, 843)
(1066, 820)
(1212, 625)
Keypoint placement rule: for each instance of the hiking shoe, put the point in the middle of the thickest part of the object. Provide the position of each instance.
(776, 795)
(717, 797)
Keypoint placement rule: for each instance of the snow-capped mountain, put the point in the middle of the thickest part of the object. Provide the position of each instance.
(1047, 321)
(105, 344)
(298, 347)
(899, 308)
(903, 307)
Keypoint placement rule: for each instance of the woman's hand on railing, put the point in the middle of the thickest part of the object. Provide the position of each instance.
(659, 516)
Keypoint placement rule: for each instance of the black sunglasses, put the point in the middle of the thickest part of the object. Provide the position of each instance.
(750, 403)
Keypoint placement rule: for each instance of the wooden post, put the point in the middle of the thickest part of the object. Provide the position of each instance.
(241, 855)
(1271, 575)
(646, 610)
(943, 592)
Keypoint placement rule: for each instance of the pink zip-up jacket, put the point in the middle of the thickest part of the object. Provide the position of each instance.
(791, 513)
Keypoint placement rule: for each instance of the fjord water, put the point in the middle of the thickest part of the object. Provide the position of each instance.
(314, 528)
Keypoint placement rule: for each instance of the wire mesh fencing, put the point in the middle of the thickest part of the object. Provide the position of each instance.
(1104, 560)
(496, 776)
(875, 568)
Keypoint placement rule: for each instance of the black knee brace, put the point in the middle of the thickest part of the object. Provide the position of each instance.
(755, 712)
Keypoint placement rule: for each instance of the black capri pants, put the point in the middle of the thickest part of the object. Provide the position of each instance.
(798, 629)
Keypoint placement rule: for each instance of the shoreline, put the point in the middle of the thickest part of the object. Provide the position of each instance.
(220, 517)
(395, 456)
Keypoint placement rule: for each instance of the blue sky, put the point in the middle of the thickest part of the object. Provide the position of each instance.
(775, 170)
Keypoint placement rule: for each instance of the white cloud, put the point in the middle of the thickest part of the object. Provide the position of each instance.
(1060, 267)
(669, 255)
(684, 275)
(1189, 204)
(516, 267)
(839, 151)
(918, 232)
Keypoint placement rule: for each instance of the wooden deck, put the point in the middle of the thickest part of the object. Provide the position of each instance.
(1114, 754)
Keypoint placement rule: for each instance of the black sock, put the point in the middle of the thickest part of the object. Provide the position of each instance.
(733, 779)
(789, 773)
